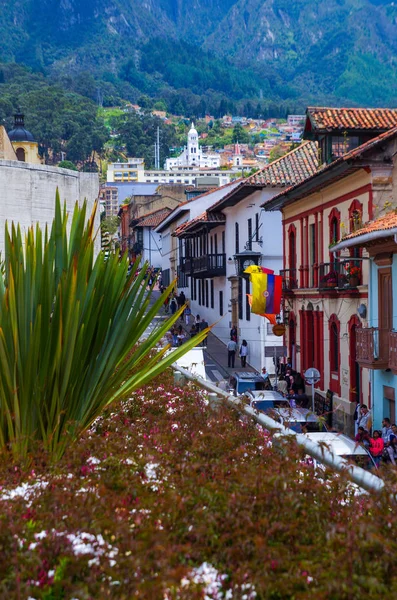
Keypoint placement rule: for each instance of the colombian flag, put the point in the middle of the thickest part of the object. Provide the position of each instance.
(266, 293)
(270, 318)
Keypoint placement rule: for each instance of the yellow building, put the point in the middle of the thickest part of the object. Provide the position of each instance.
(23, 142)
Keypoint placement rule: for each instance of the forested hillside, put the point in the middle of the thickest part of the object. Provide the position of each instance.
(193, 53)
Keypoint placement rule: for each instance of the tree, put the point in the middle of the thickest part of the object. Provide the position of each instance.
(67, 164)
(240, 135)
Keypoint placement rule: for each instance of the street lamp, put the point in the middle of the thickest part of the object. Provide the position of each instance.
(245, 259)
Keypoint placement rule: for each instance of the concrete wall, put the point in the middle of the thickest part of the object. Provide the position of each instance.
(27, 193)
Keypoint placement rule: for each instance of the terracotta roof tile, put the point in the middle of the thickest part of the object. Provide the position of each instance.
(349, 156)
(327, 119)
(153, 219)
(292, 168)
(388, 221)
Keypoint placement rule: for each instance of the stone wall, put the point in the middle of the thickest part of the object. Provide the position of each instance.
(27, 193)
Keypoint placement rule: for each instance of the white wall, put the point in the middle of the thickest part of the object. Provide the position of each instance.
(27, 194)
(255, 329)
(152, 247)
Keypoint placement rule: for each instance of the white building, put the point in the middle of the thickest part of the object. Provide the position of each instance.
(211, 231)
(147, 239)
(192, 156)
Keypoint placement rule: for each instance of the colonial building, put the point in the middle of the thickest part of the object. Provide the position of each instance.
(23, 142)
(376, 340)
(216, 245)
(323, 293)
(28, 188)
(192, 155)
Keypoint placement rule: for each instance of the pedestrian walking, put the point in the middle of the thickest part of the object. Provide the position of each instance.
(203, 325)
(231, 353)
(243, 352)
(233, 333)
(173, 306)
(187, 313)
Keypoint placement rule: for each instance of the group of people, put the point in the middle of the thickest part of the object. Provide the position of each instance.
(292, 385)
(175, 301)
(178, 334)
(381, 443)
(232, 348)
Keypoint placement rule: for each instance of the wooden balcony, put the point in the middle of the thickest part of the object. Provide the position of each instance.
(209, 265)
(393, 351)
(290, 279)
(186, 266)
(372, 348)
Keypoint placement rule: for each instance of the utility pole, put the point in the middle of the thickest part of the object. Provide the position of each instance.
(157, 150)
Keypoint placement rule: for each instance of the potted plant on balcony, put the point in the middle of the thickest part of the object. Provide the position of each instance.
(330, 280)
(353, 274)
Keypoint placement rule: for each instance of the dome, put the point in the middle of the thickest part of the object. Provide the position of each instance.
(19, 133)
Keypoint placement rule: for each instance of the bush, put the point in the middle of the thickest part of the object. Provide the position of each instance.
(165, 498)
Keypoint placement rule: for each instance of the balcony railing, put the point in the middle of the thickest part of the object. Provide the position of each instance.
(324, 276)
(186, 265)
(372, 347)
(290, 279)
(209, 265)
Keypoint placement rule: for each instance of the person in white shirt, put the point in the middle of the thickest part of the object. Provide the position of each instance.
(231, 353)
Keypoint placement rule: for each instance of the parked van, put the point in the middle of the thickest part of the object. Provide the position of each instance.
(249, 381)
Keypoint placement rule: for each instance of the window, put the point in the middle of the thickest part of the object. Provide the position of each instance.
(216, 243)
(206, 293)
(342, 144)
(223, 243)
(212, 294)
(199, 293)
(194, 289)
(237, 238)
(221, 303)
(249, 243)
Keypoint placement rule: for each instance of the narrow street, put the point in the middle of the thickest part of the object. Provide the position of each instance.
(215, 352)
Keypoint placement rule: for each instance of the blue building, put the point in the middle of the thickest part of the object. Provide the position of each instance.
(376, 348)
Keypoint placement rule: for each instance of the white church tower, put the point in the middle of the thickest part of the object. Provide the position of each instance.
(192, 155)
(193, 152)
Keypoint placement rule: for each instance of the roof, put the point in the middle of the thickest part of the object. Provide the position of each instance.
(290, 169)
(184, 206)
(19, 133)
(154, 218)
(358, 119)
(293, 167)
(384, 226)
(325, 174)
(209, 218)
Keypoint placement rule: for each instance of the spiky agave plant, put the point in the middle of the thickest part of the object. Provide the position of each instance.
(70, 329)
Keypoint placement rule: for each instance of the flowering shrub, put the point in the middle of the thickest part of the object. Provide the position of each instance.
(165, 498)
(352, 270)
(331, 277)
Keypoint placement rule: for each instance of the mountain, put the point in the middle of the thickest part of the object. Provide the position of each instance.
(206, 51)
